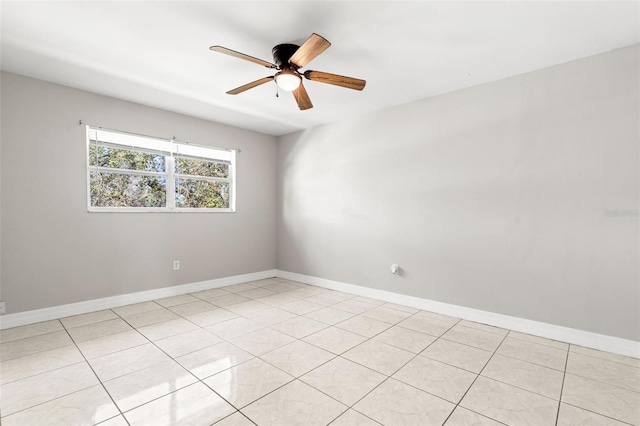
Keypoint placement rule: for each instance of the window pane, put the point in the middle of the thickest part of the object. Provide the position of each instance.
(190, 166)
(104, 156)
(119, 190)
(201, 194)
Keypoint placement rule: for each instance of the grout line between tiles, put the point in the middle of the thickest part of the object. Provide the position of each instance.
(98, 378)
(474, 380)
(564, 375)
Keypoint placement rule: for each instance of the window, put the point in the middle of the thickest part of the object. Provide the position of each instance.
(128, 172)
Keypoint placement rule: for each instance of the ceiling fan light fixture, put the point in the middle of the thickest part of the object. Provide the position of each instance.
(288, 80)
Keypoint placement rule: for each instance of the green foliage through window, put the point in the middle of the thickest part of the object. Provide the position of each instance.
(145, 173)
(123, 190)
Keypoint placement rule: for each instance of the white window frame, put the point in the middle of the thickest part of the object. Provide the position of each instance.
(170, 148)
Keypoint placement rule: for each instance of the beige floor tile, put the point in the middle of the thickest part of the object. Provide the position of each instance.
(379, 356)
(99, 329)
(367, 327)
(31, 330)
(271, 316)
(114, 421)
(299, 327)
(532, 377)
(484, 327)
(207, 318)
(307, 291)
(434, 327)
(335, 339)
(192, 308)
(136, 308)
(376, 302)
(459, 355)
(246, 308)
(234, 328)
(246, 382)
(301, 307)
(34, 390)
(256, 293)
(106, 345)
(395, 403)
(533, 352)
(118, 364)
(402, 308)
(236, 419)
(325, 299)
(602, 370)
(227, 300)
(403, 338)
(38, 363)
(520, 384)
(209, 294)
(620, 359)
(463, 417)
(392, 316)
(194, 405)
(438, 317)
(354, 306)
(330, 316)
(176, 300)
(279, 287)
(437, 378)
(214, 359)
(574, 416)
(353, 418)
(262, 341)
(236, 288)
(343, 380)
(297, 358)
(277, 300)
(166, 329)
(473, 337)
(35, 344)
(510, 405)
(142, 386)
(611, 401)
(155, 316)
(90, 318)
(84, 407)
(539, 340)
(339, 295)
(294, 404)
(185, 343)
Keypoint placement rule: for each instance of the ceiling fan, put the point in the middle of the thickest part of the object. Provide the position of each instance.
(288, 59)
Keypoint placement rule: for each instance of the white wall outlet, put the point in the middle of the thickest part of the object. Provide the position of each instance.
(394, 268)
(176, 265)
(2, 307)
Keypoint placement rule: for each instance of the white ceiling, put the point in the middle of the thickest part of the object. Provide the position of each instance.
(156, 53)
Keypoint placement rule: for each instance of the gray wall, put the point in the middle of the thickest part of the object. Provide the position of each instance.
(54, 252)
(492, 198)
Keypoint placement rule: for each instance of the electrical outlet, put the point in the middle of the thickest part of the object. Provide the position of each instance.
(2, 307)
(176, 265)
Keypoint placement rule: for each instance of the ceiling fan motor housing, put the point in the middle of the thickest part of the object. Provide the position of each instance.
(282, 53)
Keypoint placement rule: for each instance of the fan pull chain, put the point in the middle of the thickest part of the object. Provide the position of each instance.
(277, 94)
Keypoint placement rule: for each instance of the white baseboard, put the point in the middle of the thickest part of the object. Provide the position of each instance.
(550, 331)
(55, 312)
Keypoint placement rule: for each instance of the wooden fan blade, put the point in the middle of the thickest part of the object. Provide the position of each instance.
(311, 48)
(239, 55)
(302, 98)
(250, 85)
(335, 79)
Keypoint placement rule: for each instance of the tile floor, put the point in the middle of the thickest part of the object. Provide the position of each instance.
(277, 352)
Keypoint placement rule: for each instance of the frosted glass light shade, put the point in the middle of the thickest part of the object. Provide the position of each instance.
(288, 80)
